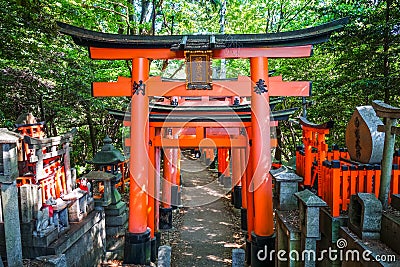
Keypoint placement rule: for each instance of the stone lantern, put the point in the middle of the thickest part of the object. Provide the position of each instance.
(107, 163)
(8, 156)
(108, 159)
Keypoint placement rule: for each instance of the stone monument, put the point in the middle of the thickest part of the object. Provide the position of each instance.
(363, 141)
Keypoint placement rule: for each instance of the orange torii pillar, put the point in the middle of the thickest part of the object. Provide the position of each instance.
(243, 210)
(226, 177)
(212, 163)
(151, 213)
(137, 239)
(220, 164)
(249, 198)
(168, 172)
(175, 177)
(236, 178)
(263, 234)
(157, 189)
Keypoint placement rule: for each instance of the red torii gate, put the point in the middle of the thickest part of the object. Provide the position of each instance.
(254, 145)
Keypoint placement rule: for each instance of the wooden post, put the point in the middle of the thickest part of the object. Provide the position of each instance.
(250, 199)
(261, 155)
(137, 239)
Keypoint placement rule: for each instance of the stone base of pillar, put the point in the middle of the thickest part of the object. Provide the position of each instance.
(212, 165)
(261, 247)
(237, 192)
(220, 178)
(154, 249)
(174, 196)
(137, 248)
(227, 182)
(243, 219)
(157, 235)
(248, 251)
(165, 219)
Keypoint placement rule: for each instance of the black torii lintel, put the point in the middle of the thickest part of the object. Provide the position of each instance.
(308, 36)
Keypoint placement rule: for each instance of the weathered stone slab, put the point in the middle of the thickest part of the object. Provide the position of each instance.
(115, 209)
(8, 155)
(9, 198)
(238, 257)
(288, 238)
(116, 220)
(363, 141)
(354, 248)
(396, 201)
(77, 208)
(76, 231)
(52, 261)
(26, 209)
(390, 228)
(45, 238)
(330, 225)
(286, 187)
(164, 256)
(116, 230)
(309, 207)
(365, 215)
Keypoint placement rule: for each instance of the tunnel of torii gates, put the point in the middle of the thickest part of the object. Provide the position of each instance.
(199, 112)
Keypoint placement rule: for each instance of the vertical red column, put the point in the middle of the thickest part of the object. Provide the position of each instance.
(167, 182)
(165, 215)
(236, 178)
(261, 161)
(151, 184)
(227, 179)
(250, 199)
(151, 223)
(157, 188)
(220, 164)
(243, 210)
(137, 239)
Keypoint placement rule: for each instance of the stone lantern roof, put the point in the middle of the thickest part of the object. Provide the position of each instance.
(108, 155)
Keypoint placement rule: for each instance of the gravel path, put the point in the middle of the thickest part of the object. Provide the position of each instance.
(208, 227)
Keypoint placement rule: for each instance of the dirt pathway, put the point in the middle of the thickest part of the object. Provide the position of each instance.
(209, 227)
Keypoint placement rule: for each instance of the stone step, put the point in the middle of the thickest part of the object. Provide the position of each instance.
(369, 251)
(396, 201)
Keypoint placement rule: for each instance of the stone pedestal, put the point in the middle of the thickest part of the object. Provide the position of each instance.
(9, 199)
(330, 227)
(365, 215)
(288, 236)
(77, 207)
(60, 215)
(227, 182)
(116, 218)
(309, 208)
(396, 201)
(287, 184)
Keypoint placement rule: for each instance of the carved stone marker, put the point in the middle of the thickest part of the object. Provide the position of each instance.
(365, 215)
(363, 141)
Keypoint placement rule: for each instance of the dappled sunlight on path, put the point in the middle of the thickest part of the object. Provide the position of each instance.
(209, 224)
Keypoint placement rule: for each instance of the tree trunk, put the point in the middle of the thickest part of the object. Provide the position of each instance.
(386, 42)
(91, 131)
